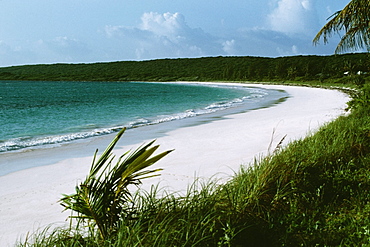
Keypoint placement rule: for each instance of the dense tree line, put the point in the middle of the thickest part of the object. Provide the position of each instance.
(299, 68)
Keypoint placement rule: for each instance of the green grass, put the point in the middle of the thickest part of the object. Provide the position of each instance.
(314, 192)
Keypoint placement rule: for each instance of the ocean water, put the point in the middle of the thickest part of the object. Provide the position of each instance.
(39, 114)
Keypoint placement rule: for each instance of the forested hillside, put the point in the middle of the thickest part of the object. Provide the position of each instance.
(298, 68)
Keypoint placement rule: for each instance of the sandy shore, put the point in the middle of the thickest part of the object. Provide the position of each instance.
(29, 198)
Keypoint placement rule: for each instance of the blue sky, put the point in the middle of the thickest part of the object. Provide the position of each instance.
(85, 31)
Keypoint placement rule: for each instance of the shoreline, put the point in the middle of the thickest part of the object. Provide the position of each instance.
(33, 154)
(214, 149)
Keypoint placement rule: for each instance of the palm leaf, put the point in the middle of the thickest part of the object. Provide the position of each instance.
(354, 20)
(103, 198)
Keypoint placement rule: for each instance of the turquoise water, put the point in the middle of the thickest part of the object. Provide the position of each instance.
(34, 114)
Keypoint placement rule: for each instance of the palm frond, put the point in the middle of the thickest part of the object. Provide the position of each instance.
(354, 21)
(103, 199)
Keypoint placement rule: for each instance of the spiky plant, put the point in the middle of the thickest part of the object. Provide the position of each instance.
(103, 199)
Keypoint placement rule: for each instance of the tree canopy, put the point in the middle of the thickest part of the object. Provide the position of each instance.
(298, 68)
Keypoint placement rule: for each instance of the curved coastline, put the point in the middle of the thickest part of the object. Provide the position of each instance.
(249, 98)
(215, 148)
(246, 97)
(59, 145)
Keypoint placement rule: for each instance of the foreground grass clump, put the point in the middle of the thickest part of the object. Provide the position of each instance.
(314, 192)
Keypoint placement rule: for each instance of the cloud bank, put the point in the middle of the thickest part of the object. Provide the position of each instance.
(293, 17)
(163, 35)
(288, 29)
(168, 35)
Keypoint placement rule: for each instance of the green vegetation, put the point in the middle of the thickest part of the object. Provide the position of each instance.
(354, 20)
(102, 198)
(314, 192)
(297, 68)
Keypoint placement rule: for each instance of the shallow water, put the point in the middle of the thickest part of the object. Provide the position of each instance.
(38, 114)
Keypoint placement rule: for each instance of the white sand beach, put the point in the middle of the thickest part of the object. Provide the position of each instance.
(29, 198)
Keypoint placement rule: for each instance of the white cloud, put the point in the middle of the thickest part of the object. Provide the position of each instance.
(288, 51)
(295, 49)
(293, 17)
(164, 35)
(229, 47)
(170, 25)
